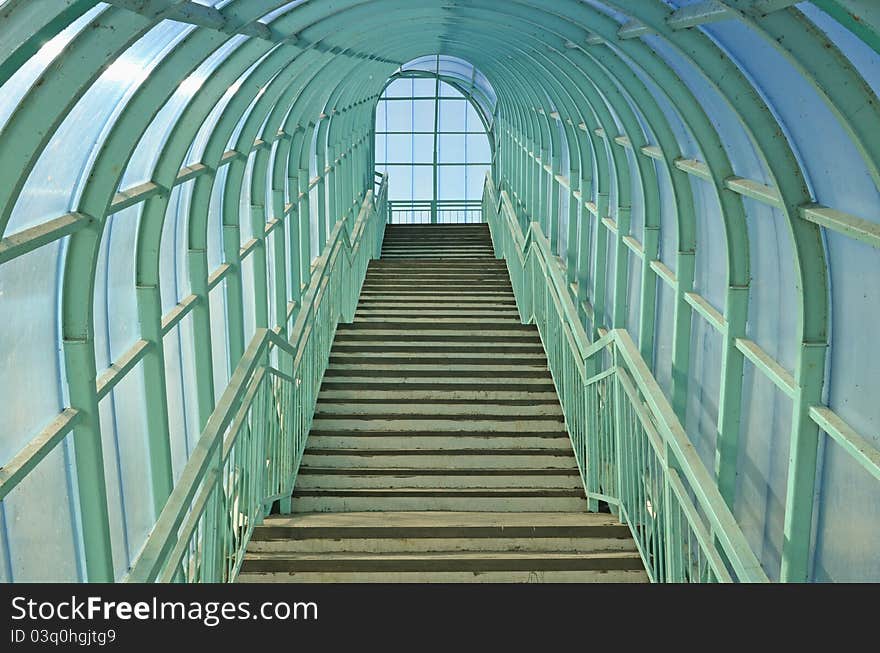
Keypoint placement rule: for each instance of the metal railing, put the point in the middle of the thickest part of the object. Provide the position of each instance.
(434, 212)
(248, 455)
(631, 449)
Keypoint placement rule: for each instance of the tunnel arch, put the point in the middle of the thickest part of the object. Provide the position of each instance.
(434, 120)
(696, 203)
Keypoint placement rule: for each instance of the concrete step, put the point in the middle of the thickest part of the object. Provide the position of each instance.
(462, 360)
(435, 314)
(436, 370)
(452, 358)
(420, 274)
(422, 499)
(478, 264)
(434, 252)
(429, 410)
(600, 576)
(438, 228)
(453, 325)
(447, 336)
(473, 423)
(336, 479)
(461, 243)
(533, 370)
(413, 525)
(474, 562)
(472, 295)
(452, 243)
(475, 381)
(504, 397)
(411, 280)
(326, 440)
(447, 459)
(436, 544)
(434, 256)
(441, 266)
(444, 385)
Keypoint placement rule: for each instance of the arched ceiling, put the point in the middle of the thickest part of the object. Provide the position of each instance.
(735, 144)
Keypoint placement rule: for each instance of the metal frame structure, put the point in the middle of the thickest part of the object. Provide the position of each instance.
(620, 127)
(438, 99)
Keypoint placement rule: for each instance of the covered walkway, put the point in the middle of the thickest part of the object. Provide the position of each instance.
(685, 195)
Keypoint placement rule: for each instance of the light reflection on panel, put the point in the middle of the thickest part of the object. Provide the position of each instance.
(54, 185)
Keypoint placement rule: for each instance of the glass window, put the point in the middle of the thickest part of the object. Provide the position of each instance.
(433, 145)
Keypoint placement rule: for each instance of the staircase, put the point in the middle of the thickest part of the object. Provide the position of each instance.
(438, 451)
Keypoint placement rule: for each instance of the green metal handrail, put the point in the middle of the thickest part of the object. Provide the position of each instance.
(631, 449)
(248, 455)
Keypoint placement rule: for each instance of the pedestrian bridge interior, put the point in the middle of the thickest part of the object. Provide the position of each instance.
(447, 290)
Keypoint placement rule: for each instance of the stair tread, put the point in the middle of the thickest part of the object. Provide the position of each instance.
(404, 471)
(518, 491)
(446, 555)
(441, 518)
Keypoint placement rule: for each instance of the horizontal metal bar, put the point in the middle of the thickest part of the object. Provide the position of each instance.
(634, 245)
(665, 273)
(755, 190)
(701, 13)
(271, 225)
(764, 362)
(30, 239)
(191, 172)
(694, 167)
(704, 308)
(176, 314)
(217, 275)
(130, 196)
(859, 448)
(248, 248)
(610, 224)
(117, 370)
(652, 151)
(843, 223)
(231, 155)
(13, 472)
